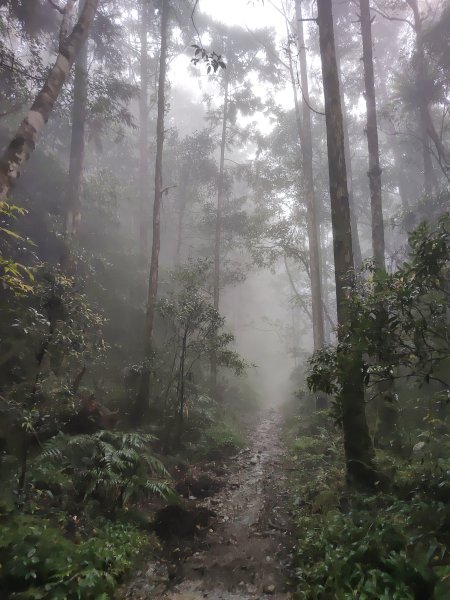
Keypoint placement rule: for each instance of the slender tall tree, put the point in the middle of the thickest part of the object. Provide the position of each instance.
(308, 178)
(374, 172)
(25, 139)
(219, 216)
(142, 404)
(357, 442)
(77, 145)
(427, 128)
(348, 165)
(220, 194)
(143, 129)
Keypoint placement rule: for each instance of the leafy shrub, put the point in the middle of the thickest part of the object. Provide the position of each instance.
(398, 320)
(372, 553)
(112, 467)
(38, 562)
(351, 545)
(221, 438)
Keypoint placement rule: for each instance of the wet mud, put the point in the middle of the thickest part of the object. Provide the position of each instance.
(242, 552)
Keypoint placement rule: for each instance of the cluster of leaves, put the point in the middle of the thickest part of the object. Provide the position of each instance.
(212, 60)
(38, 561)
(13, 275)
(53, 336)
(398, 320)
(111, 467)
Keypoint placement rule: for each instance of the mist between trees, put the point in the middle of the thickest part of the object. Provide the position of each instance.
(209, 210)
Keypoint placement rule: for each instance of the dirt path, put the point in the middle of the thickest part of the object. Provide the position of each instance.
(245, 552)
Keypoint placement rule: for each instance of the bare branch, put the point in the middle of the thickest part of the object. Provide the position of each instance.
(392, 17)
(56, 6)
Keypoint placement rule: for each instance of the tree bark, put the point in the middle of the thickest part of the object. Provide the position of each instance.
(24, 141)
(156, 242)
(357, 257)
(220, 197)
(218, 229)
(143, 132)
(311, 204)
(142, 402)
(357, 443)
(77, 146)
(374, 173)
(181, 388)
(424, 115)
(181, 214)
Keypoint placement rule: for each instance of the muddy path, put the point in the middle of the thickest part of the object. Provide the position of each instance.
(243, 551)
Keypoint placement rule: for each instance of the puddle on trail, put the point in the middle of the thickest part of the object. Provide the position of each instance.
(245, 554)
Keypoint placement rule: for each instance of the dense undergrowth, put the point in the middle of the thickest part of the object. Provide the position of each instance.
(388, 537)
(83, 521)
(391, 544)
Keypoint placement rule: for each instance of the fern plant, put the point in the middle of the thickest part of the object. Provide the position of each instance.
(112, 467)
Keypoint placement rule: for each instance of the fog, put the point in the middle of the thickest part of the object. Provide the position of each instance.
(220, 222)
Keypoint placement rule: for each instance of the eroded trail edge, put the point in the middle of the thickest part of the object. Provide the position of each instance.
(244, 553)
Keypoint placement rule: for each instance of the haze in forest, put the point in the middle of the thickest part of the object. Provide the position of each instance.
(224, 299)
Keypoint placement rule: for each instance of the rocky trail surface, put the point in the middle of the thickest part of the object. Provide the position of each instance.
(242, 551)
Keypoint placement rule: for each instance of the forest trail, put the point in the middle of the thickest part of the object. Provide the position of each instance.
(245, 553)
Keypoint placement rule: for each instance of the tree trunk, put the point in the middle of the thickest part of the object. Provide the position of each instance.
(156, 242)
(77, 146)
(357, 443)
(357, 257)
(143, 132)
(181, 214)
(220, 197)
(218, 231)
(311, 203)
(424, 115)
(374, 172)
(142, 404)
(24, 141)
(181, 389)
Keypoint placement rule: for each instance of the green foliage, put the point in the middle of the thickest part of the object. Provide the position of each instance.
(350, 545)
(399, 320)
(374, 552)
(49, 340)
(38, 561)
(15, 276)
(193, 333)
(189, 313)
(222, 438)
(112, 467)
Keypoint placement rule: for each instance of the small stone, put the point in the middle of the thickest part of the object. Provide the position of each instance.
(269, 589)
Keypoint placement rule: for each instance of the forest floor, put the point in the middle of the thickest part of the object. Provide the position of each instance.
(243, 550)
